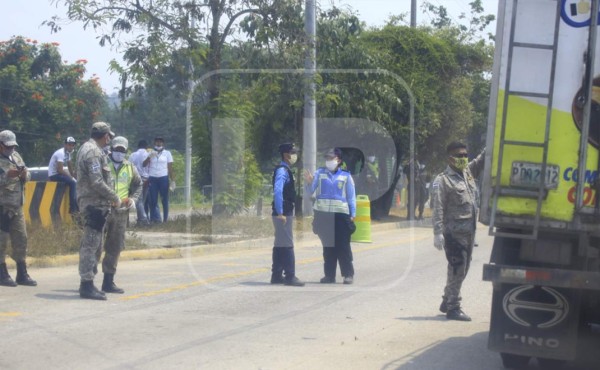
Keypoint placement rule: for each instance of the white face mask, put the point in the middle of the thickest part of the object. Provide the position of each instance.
(331, 165)
(293, 158)
(371, 158)
(118, 157)
(158, 148)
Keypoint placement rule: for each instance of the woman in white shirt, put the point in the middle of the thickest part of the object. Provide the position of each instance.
(160, 179)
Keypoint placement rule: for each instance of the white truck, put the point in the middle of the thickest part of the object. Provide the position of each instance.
(541, 180)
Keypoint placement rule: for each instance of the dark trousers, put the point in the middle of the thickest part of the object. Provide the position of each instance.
(72, 192)
(284, 260)
(459, 249)
(158, 185)
(334, 230)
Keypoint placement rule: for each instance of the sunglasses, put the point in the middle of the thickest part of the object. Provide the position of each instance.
(462, 155)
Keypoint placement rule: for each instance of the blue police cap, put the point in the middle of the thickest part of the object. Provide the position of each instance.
(287, 148)
(333, 152)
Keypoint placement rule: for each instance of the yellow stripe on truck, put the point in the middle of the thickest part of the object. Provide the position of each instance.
(527, 123)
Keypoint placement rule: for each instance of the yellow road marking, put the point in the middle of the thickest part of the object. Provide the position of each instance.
(6, 315)
(263, 269)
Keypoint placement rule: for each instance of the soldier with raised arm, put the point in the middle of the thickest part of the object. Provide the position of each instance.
(455, 213)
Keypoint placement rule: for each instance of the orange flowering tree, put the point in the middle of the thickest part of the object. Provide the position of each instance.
(44, 99)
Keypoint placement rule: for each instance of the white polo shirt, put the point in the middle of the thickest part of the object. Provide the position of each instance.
(158, 165)
(137, 158)
(61, 156)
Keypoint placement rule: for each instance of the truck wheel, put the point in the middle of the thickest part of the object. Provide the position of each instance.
(512, 361)
(550, 363)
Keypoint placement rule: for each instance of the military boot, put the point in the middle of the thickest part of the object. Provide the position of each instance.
(87, 290)
(5, 278)
(108, 285)
(23, 277)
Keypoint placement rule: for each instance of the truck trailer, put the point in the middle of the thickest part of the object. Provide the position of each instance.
(541, 181)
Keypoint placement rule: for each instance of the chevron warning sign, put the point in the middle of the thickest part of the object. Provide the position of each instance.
(46, 203)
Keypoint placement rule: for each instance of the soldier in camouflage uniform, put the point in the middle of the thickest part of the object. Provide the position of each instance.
(128, 186)
(455, 211)
(13, 176)
(95, 196)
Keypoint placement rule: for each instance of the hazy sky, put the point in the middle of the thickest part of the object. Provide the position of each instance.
(24, 17)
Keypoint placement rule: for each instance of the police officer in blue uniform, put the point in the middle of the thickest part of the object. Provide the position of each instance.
(334, 212)
(284, 197)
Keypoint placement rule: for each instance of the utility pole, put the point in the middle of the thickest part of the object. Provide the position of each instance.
(188, 130)
(309, 144)
(413, 13)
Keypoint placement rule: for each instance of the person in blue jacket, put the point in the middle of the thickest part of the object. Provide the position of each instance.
(334, 211)
(284, 198)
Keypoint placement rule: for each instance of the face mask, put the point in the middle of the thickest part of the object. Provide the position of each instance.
(371, 158)
(293, 158)
(461, 163)
(159, 148)
(70, 151)
(118, 156)
(331, 165)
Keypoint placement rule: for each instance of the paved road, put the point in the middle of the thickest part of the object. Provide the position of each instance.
(219, 312)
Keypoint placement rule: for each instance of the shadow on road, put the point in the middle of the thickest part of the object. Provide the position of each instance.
(67, 294)
(458, 353)
(424, 318)
(471, 353)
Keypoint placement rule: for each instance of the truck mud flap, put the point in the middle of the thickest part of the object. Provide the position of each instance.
(537, 321)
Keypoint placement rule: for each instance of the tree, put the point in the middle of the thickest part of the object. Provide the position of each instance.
(44, 100)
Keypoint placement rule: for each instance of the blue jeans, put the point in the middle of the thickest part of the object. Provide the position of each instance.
(72, 192)
(158, 185)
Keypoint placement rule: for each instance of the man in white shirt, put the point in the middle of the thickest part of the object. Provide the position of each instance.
(60, 169)
(161, 179)
(137, 158)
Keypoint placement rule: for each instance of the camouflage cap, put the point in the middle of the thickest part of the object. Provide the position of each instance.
(102, 128)
(119, 141)
(8, 138)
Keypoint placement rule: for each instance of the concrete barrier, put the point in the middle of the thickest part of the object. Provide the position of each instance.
(46, 202)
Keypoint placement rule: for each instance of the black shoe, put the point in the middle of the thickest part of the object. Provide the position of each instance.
(87, 290)
(327, 280)
(5, 279)
(458, 315)
(23, 277)
(444, 305)
(277, 279)
(348, 280)
(294, 282)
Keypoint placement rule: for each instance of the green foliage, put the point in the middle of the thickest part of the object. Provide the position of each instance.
(44, 100)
